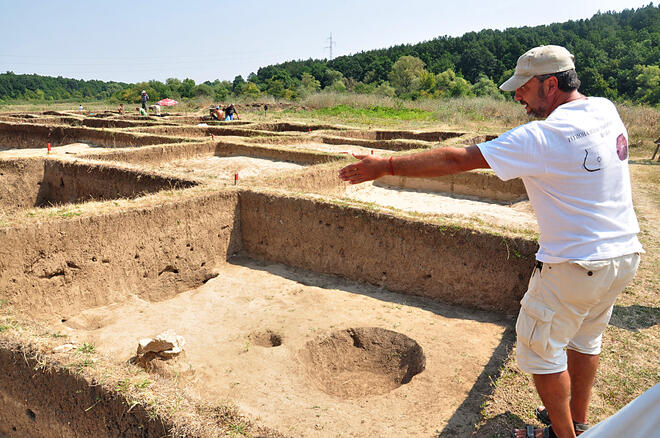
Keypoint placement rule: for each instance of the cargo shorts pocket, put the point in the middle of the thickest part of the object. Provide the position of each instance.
(533, 326)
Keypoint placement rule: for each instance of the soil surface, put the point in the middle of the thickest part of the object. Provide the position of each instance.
(69, 149)
(520, 214)
(251, 331)
(227, 167)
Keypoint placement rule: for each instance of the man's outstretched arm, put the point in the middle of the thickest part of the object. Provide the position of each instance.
(436, 162)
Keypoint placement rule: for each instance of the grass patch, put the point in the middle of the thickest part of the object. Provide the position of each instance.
(377, 112)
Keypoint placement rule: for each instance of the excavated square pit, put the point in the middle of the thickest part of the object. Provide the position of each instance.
(327, 321)
(274, 341)
(36, 182)
(225, 162)
(315, 317)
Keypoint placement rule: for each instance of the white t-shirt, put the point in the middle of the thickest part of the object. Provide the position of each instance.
(574, 165)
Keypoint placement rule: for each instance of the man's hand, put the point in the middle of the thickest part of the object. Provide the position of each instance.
(369, 167)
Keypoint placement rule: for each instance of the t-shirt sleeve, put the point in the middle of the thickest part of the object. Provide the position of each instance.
(515, 153)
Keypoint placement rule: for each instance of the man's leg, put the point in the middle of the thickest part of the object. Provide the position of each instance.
(555, 390)
(582, 370)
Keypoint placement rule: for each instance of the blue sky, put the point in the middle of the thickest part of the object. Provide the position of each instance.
(134, 41)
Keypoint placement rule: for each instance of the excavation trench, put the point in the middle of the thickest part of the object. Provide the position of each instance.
(316, 313)
(171, 266)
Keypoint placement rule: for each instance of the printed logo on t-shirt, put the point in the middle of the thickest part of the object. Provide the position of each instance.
(622, 147)
(592, 160)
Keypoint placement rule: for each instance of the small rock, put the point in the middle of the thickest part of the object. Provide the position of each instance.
(64, 348)
(164, 346)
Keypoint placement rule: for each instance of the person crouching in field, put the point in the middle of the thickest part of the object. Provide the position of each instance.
(217, 114)
(574, 164)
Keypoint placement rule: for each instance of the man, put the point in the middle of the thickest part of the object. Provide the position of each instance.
(218, 114)
(231, 113)
(145, 98)
(156, 109)
(142, 112)
(574, 165)
(120, 110)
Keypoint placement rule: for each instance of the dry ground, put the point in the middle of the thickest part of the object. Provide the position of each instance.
(250, 306)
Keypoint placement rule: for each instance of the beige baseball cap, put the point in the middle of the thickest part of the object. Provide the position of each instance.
(540, 60)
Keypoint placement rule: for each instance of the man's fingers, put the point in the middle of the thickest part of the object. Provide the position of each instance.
(359, 156)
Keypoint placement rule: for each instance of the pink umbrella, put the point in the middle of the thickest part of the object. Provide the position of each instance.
(167, 102)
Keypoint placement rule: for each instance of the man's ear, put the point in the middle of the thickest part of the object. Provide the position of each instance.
(551, 85)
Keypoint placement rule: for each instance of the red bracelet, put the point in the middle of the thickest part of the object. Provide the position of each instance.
(391, 167)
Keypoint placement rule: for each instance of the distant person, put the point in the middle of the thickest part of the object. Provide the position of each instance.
(142, 112)
(120, 110)
(145, 98)
(80, 107)
(231, 113)
(265, 110)
(217, 113)
(573, 161)
(156, 109)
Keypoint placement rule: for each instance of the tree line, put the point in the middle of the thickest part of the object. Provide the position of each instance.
(617, 56)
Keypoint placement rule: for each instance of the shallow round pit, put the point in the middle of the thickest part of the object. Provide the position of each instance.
(266, 338)
(359, 362)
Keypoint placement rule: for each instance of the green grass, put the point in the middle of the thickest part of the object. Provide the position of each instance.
(375, 112)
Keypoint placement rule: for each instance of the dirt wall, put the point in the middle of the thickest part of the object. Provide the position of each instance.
(20, 181)
(398, 135)
(60, 267)
(205, 131)
(119, 123)
(26, 135)
(36, 182)
(66, 182)
(160, 154)
(451, 264)
(390, 145)
(292, 127)
(482, 184)
(45, 403)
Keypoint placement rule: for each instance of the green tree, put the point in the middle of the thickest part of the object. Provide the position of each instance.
(406, 73)
(648, 84)
(486, 87)
(309, 83)
(250, 89)
(237, 85)
(187, 88)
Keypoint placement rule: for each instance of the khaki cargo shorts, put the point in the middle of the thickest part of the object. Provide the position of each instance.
(568, 305)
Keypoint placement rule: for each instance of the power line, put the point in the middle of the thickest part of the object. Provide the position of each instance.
(329, 46)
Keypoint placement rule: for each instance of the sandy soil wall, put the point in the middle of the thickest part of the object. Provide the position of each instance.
(160, 154)
(205, 131)
(397, 135)
(57, 268)
(39, 182)
(66, 182)
(20, 181)
(451, 264)
(390, 145)
(37, 402)
(482, 184)
(25, 135)
(117, 123)
(292, 127)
